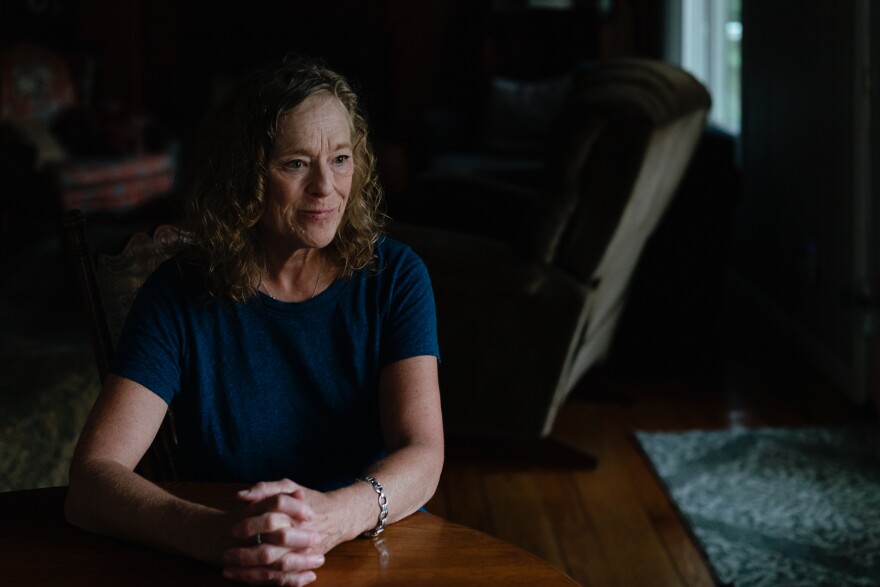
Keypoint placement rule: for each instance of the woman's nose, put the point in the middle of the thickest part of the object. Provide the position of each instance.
(320, 181)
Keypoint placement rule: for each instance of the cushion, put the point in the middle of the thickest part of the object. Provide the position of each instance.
(520, 113)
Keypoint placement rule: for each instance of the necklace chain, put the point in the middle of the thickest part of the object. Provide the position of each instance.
(318, 280)
(314, 291)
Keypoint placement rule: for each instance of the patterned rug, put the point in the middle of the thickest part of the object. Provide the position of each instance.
(45, 395)
(48, 379)
(778, 507)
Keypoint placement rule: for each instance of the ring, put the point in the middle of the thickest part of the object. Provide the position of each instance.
(259, 539)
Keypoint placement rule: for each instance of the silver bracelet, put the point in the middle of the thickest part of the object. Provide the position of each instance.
(383, 507)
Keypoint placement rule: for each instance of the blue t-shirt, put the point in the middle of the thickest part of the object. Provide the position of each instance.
(267, 389)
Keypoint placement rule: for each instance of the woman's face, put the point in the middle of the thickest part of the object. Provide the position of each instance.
(309, 175)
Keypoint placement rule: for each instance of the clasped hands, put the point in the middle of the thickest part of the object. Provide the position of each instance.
(278, 536)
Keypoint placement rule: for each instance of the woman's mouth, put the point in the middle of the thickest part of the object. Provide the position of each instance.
(317, 215)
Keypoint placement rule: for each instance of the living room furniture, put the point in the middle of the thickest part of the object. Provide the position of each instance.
(38, 548)
(66, 149)
(531, 275)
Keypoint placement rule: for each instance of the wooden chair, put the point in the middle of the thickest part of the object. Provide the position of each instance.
(108, 285)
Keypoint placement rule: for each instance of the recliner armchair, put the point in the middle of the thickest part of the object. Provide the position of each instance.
(530, 280)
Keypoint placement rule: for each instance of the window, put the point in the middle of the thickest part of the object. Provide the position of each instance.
(705, 38)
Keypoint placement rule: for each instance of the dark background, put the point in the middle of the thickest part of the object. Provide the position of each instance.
(172, 60)
(168, 62)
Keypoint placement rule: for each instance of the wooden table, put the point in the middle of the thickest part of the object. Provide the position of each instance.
(37, 547)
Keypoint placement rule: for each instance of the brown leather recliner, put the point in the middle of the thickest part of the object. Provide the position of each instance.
(528, 305)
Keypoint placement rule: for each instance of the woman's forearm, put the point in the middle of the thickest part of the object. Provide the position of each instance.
(412, 425)
(106, 497)
(408, 476)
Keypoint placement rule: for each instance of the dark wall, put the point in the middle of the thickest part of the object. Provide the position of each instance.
(795, 238)
(173, 60)
(170, 58)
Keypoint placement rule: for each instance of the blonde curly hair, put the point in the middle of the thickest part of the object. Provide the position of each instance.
(225, 198)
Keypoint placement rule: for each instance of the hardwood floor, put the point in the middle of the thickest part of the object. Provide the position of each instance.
(613, 524)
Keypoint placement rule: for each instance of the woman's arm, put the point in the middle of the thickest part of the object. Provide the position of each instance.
(412, 425)
(108, 497)
(413, 428)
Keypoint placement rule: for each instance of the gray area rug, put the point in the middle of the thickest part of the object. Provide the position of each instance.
(777, 507)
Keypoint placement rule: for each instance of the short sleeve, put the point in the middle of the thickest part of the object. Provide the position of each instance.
(410, 328)
(151, 344)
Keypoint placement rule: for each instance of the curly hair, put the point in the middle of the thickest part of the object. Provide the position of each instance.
(226, 197)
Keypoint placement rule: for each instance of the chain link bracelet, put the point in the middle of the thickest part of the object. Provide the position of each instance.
(383, 507)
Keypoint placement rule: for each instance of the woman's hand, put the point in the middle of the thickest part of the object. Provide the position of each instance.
(275, 544)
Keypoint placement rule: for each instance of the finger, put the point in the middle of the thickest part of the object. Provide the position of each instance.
(293, 538)
(272, 514)
(251, 556)
(294, 561)
(264, 489)
(290, 565)
(299, 579)
(268, 576)
(248, 528)
(295, 507)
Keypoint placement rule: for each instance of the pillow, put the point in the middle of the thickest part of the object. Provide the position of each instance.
(520, 113)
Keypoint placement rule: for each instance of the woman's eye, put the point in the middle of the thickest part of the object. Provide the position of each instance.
(340, 159)
(295, 164)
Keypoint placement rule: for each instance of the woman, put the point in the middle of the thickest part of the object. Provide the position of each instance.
(298, 344)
